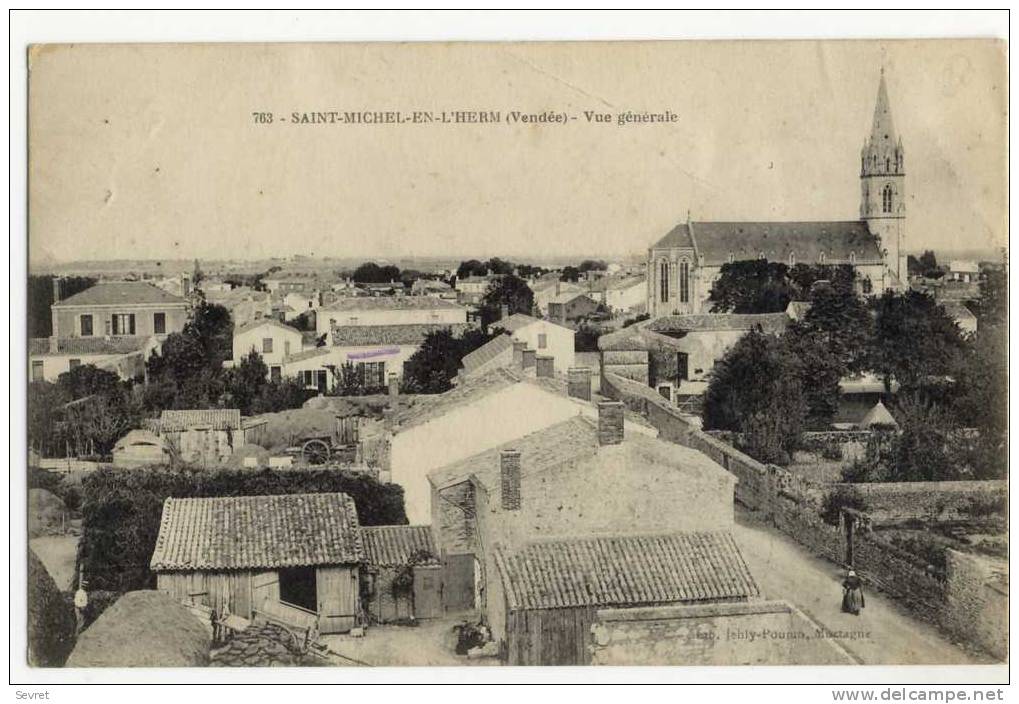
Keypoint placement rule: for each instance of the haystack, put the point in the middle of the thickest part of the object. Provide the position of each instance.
(878, 416)
(143, 629)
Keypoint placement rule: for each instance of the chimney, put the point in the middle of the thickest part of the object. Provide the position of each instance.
(509, 473)
(394, 385)
(610, 422)
(518, 354)
(527, 358)
(503, 311)
(579, 382)
(56, 289)
(545, 368)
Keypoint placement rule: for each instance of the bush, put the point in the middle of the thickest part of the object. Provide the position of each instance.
(841, 497)
(121, 510)
(51, 620)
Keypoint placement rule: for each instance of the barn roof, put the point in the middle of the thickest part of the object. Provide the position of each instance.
(211, 418)
(626, 571)
(390, 546)
(249, 532)
(487, 352)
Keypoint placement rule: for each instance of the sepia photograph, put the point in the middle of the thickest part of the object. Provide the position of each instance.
(489, 354)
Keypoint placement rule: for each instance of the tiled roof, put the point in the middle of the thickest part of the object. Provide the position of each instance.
(715, 241)
(39, 346)
(487, 352)
(390, 546)
(768, 322)
(248, 532)
(410, 334)
(212, 418)
(307, 354)
(569, 296)
(518, 321)
(391, 303)
(108, 293)
(614, 283)
(255, 324)
(626, 571)
(429, 406)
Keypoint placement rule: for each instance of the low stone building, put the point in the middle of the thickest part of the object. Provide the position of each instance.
(202, 436)
(402, 579)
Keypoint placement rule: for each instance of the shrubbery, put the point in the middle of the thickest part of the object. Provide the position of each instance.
(51, 621)
(121, 510)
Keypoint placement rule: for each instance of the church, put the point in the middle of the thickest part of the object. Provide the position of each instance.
(683, 265)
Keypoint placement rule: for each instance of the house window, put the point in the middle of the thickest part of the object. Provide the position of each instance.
(159, 323)
(86, 326)
(123, 324)
(299, 587)
(886, 199)
(684, 282)
(275, 373)
(73, 364)
(37, 371)
(373, 374)
(542, 340)
(266, 345)
(868, 286)
(761, 256)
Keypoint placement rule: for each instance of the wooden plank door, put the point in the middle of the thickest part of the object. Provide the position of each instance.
(337, 598)
(427, 592)
(458, 582)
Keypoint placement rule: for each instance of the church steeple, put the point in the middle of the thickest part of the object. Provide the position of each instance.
(882, 151)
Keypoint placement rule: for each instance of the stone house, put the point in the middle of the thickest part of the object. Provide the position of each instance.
(388, 310)
(402, 577)
(50, 357)
(272, 340)
(571, 307)
(118, 309)
(545, 337)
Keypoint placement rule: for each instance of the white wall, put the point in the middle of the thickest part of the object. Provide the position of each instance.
(393, 355)
(245, 341)
(626, 298)
(558, 340)
(390, 316)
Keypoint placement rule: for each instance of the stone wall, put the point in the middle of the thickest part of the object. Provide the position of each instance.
(898, 502)
(977, 601)
(756, 633)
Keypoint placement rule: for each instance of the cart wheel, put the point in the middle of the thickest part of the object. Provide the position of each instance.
(315, 452)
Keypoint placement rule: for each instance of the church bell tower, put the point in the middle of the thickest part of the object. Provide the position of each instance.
(882, 182)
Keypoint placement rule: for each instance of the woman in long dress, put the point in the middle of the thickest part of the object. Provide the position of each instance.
(852, 594)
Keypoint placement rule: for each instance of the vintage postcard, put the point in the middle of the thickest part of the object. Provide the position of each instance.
(681, 353)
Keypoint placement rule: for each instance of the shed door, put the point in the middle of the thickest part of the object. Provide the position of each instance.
(458, 582)
(265, 591)
(337, 599)
(427, 592)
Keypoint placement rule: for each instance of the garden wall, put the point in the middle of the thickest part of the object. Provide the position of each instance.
(898, 502)
(977, 601)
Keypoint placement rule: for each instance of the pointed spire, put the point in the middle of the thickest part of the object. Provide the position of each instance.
(882, 132)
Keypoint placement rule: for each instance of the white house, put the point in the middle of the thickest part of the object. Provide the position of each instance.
(963, 270)
(543, 336)
(546, 290)
(389, 310)
(625, 294)
(273, 340)
(302, 301)
(125, 356)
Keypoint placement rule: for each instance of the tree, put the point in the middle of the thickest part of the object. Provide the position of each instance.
(88, 379)
(570, 273)
(592, 265)
(914, 340)
(431, 369)
(40, 298)
(498, 266)
(510, 291)
(752, 286)
(471, 267)
(372, 273)
(45, 400)
(928, 262)
(212, 325)
(755, 390)
(244, 382)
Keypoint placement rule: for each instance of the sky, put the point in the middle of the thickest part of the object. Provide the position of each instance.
(152, 151)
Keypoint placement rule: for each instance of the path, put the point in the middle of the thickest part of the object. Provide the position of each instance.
(785, 570)
(431, 643)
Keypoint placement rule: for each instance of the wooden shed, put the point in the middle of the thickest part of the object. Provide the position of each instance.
(295, 558)
(403, 575)
(203, 436)
(551, 590)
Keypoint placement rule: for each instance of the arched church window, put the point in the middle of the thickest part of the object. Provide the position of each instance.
(684, 282)
(820, 258)
(888, 165)
(663, 281)
(886, 199)
(732, 257)
(762, 256)
(792, 258)
(852, 257)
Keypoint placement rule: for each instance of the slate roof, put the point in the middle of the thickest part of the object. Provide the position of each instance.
(391, 546)
(264, 321)
(392, 303)
(768, 322)
(487, 352)
(109, 293)
(683, 568)
(40, 346)
(211, 418)
(715, 241)
(409, 334)
(254, 532)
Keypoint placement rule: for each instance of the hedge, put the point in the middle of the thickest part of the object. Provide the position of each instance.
(51, 620)
(121, 510)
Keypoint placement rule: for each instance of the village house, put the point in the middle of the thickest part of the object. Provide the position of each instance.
(302, 301)
(495, 510)
(571, 307)
(432, 287)
(284, 285)
(296, 558)
(118, 309)
(49, 357)
(546, 338)
(547, 289)
(374, 353)
(402, 575)
(400, 310)
(626, 294)
(244, 303)
(272, 340)
(478, 413)
(963, 270)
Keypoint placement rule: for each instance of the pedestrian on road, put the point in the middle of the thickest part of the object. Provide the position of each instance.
(852, 594)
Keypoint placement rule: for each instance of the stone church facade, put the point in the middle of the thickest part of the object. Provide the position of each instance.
(683, 265)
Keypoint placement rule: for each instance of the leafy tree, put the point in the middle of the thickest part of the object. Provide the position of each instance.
(592, 265)
(372, 273)
(498, 266)
(182, 357)
(281, 395)
(980, 392)
(914, 340)
(243, 383)
(40, 298)
(432, 368)
(510, 291)
(305, 322)
(586, 338)
(570, 273)
(212, 326)
(471, 267)
(44, 402)
(992, 308)
(760, 286)
(87, 379)
(755, 390)
(529, 271)
(928, 262)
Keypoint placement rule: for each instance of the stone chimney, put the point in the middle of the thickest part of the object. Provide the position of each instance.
(509, 474)
(579, 382)
(518, 354)
(610, 422)
(545, 366)
(394, 385)
(527, 359)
